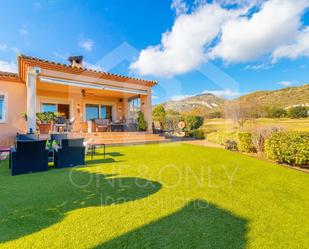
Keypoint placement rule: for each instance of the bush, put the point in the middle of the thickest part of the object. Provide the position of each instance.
(276, 112)
(198, 134)
(193, 122)
(298, 112)
(259, 136)
(245, 142)
(159, 113)
(220, 137)
(141, 123)
(288, 147)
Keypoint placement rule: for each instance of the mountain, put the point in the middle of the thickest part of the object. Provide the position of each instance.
(280, 98)
(205, 103)
(198, 104)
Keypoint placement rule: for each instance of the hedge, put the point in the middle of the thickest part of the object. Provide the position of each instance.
(288, 147)
(245, 142)
(198, 134)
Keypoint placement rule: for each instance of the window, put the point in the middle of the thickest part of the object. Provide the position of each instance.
(49, 107)
(92, 111)
(106, 111)
(134, 108)
(2, 108)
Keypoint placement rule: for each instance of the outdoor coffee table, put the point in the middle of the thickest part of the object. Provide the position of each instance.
(93, 146)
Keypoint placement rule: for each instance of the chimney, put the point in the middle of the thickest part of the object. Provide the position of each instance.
(76, 61)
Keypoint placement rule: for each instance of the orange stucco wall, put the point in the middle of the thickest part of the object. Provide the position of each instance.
(16, 99)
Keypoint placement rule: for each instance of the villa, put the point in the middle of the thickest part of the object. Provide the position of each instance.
(78, 93)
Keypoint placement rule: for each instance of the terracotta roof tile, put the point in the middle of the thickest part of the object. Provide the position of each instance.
(8, 74)
(86, 69)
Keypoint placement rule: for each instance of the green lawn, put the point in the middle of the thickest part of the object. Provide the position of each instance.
(157, 196)
(284, 123)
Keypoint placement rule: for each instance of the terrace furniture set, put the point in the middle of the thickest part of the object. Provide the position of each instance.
(32, 155)
(104, 125)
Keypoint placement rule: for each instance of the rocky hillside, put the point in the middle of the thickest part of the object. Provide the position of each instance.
(205, 103)
(280, 98)
(198, 104)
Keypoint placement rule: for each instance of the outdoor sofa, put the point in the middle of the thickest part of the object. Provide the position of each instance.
(29, 156)
(70, 153)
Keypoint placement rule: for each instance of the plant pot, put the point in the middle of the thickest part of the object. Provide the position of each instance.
(44, 128)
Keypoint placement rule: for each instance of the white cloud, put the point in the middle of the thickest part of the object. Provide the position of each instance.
(180, 7)
(95, 67)
(155, 97)
(183, 48)
(245, 39)
(180, 97)
(86, 44)
(257, 67)
(299, 48)
(23, 31)
(252, 31)
(285, 83)
(5, 48)
(6, 66)
(226, 93)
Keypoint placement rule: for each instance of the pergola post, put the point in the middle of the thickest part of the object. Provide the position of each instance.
(31, 99)
(146, 108)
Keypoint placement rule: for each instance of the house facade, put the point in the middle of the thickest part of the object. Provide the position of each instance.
(71, 89)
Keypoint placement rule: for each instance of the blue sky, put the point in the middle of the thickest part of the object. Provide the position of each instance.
(207, 44)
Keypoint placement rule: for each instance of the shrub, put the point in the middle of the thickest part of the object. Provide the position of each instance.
(298, 112)
(159, 113)
(141, 123)
(193, 122)
(198, 134)
(245, 142)
(220, 137)
(288, 147)
(259, 136)
(276, 112)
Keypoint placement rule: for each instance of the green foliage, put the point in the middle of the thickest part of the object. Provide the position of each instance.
(275, 112)
(45, 117)
(171, 122)
(198, 134)
(259, 135)
(193, 122)
(298, 112)
(141, 123)
(220, 137)
(288, 147)
(159, 113)
(245, 142)
(215, 114)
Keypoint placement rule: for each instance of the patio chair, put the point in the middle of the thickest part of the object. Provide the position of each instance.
(157, 127)
(70, 124)
(29, 156)
(60, 124)
(101, 124)
(71, 153)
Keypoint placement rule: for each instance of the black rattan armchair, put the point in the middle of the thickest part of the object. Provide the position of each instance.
(29, 156)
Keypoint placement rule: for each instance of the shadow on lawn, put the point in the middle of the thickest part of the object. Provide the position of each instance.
(35, 201)
(198, 225)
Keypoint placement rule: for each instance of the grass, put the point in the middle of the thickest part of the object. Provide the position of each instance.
(157, 196)
(285, 123)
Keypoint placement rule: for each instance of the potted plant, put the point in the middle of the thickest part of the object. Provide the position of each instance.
(44, 121)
